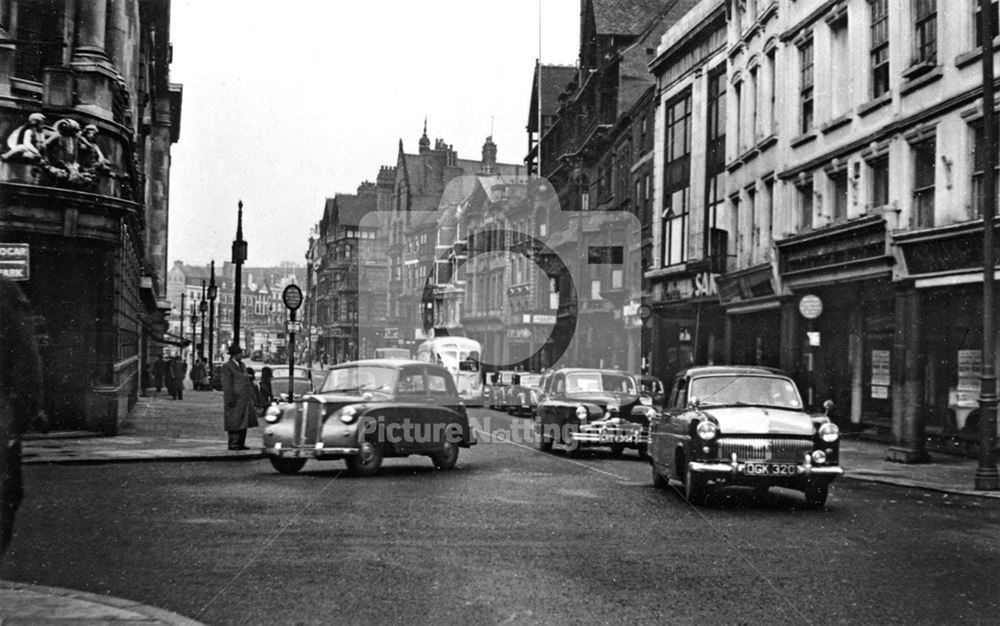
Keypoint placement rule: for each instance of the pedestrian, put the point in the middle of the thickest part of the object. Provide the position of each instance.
(266, 391)
(168, 377)
(20, 398)
(159, 368)
(257, 402)
(239, 412)
(197, 375)
(180, 370)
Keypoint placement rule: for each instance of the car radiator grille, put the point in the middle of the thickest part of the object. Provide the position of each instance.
(781, 449)
(309, 423)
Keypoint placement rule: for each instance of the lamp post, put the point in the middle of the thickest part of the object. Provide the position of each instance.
(212, 292)
(987, 477)
(181, 329)
(203, 309)
(194, 331)
(239, 256)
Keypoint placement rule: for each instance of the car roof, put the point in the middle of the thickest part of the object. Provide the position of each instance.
(715, 370)
(383, 363)
(577, 370)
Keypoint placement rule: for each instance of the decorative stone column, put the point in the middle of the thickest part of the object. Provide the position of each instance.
(95, 76)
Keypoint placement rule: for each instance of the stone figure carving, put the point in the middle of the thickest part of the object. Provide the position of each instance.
(91, 157)
(62, 154)
(25, 143)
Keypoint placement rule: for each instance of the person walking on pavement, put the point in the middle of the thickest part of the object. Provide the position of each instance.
(20, 398)
(159, 369)
(168, 377)
(197, 374)
(266, 391)
(179, 367)
(238, 395)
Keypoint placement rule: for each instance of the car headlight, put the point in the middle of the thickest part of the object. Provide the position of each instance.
(582, 412)
(707, 430)
(650, 413)
(272, 414)
(347, 414)
(829, 432)
(818, 457)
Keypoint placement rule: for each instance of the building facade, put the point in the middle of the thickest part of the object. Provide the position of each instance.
(89, 115)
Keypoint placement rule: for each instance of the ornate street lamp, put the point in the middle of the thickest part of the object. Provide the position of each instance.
(194, 331)
(202, 308)
(239, 256)
(212, 292)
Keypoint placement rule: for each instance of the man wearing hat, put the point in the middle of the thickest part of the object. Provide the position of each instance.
(238, 395)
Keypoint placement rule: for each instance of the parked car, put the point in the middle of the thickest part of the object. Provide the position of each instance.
(365, 411)
(592, 407)
(742, 426)
(302, 382)
(519, 397)
(652, 387)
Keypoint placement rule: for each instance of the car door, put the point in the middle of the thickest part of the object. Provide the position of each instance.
(409, 411)
(665, 429)
(449, 415)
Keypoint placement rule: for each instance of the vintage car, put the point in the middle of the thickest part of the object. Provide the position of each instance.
(731, 425)
(652, 387)
(519, 398)
(495, 392)
(592, 407)
(365, 411)
(302, 382)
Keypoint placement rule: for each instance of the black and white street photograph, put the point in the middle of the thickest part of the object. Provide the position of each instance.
(523, 313)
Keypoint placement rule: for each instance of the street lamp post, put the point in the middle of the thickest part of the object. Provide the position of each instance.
(202, 308)
(212, 291)
(239, 256)
(987, 477)
(194, 331)
(181, 329)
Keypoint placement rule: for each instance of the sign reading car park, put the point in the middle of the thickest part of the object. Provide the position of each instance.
(14, 259)
(810, 307)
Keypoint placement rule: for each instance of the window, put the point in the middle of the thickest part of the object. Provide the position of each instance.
(40, 42)
(978, 23)
(923, 182)
(716, 119)
(840, 198)
(879, 46)
(754, 227)
(806, 204)
(769, 212)
(840, 72)
(752, 107)
(978, 150)
(676, 181)
(595, 289)
(772, 91)
(880, 181)
(738, 99)
(925, 30)
(806, 86)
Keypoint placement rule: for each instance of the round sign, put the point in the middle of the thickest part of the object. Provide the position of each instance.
(810, 307)
(645, 311)
(292, 297)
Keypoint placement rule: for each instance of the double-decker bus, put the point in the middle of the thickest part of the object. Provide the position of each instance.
(461, 356)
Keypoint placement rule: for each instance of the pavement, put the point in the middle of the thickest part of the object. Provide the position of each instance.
(162, 429)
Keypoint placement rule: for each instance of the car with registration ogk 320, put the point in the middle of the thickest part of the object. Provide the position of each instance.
(366, 411)
(592, 407)
(742, 426)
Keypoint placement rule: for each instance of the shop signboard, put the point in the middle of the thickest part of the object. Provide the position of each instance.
(14, 263)
(880, 367)
(969, 362)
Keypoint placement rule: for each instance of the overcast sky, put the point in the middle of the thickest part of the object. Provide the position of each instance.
(288, 103)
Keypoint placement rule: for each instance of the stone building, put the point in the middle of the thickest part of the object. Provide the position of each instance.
(89, 116)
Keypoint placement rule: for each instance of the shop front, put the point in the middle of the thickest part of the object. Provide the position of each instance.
(688, 324)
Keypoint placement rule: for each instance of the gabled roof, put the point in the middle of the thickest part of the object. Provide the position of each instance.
(554, 81)
(627, 17)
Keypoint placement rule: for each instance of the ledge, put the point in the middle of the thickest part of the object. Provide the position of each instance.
(767, 142)
(803, 139)
(750, 154)
(970, 57)
(922, 79)
(835, 123)
(875, 104)
(734, 165)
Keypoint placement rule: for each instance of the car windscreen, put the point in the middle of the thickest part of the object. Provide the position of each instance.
(770, 391)
(359, 378)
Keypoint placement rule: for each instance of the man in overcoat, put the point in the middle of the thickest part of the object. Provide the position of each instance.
(238, 394)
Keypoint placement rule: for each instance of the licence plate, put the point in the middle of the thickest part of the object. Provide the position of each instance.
(770, 469)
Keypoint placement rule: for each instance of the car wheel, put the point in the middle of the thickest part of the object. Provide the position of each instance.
(447, 458)
(286, 466)
(544, 442)
(367, 462)
(816, 496)
(643, 450)
(659, 480)
(617, 449)
(694, 487)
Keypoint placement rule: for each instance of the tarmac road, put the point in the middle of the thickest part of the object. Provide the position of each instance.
(511, 536)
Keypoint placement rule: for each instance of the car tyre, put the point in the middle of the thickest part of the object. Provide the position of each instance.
(816, 496)
(447, 457)
(617, 449)
(544, 442)
(659, 480)
(286, 466)
(367, 462)
(694, 487)
(643, 451)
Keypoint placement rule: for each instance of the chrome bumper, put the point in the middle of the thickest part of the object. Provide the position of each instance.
(723, 468)
(606, 434)
(313, 452)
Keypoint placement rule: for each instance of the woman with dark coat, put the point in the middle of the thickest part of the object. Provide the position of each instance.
(239, 396)
(266, 392)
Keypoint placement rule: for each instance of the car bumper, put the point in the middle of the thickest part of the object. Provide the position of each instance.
(311, 452)
(611, 434)
(736, 471)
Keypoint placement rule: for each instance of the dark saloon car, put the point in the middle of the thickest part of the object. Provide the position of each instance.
(365, 411)
(592, 407)
(522, 393)
(652, 387)
(301, 378)
(742, 426)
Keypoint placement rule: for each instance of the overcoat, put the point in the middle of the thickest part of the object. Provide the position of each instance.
(238, 396)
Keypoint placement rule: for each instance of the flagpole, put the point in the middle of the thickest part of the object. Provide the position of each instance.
(539, 103)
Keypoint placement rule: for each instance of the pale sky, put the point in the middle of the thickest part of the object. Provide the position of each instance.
(288, 103)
